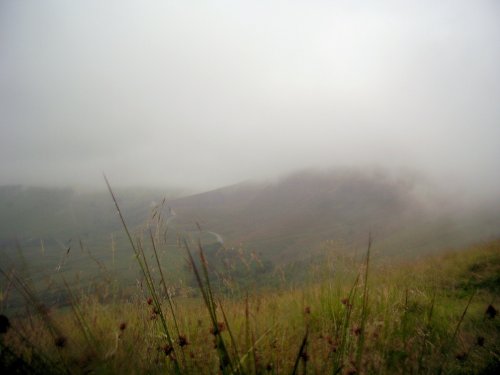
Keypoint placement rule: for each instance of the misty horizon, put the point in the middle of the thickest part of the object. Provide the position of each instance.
(202, 96)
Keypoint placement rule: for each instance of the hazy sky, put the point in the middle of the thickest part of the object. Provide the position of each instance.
(207, 93)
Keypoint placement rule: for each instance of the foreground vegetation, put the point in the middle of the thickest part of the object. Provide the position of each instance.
(433, 316)
(349, 315)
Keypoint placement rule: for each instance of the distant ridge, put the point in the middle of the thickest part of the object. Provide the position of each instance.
(291, 217)
(287, 219)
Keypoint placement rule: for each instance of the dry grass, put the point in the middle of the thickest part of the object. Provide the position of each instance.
(423, 317)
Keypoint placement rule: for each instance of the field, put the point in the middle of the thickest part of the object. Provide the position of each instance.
(349, 316)
(159, 297)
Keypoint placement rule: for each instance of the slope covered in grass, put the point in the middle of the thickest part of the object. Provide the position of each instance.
(271, 232)
(290, 218)
(431, 316)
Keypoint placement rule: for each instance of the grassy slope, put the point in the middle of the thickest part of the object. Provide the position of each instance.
(293, 215)
(287, 222)
(39, 225)
(412, 313)
(289, 219)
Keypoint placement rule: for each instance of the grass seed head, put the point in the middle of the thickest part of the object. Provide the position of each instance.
(182, 341)
(60, 341)
(480, 341)
(4, 324)
(221, 326)
(356, 330)
(491, 312)
(167, 349)
(462, 356)
(345, 302)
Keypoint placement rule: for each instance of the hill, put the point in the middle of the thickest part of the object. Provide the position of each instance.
(437, 315)
(49, 233)
(279, 225)
(291, 218)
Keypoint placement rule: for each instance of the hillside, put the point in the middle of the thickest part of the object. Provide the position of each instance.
(289, 219)
(282, 224)
(437, 315)
(28, 212)
(47, 233)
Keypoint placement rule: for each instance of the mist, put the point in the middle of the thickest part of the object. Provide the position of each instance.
(197, 95)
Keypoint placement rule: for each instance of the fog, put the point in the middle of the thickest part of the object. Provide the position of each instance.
(204, 94)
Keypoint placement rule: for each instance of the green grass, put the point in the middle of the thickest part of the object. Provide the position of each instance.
(341, 315)
(425, 317)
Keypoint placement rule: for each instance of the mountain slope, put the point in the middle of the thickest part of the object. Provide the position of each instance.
(290, 218)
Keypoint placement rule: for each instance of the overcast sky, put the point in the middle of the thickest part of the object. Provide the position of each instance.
(203, 94)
